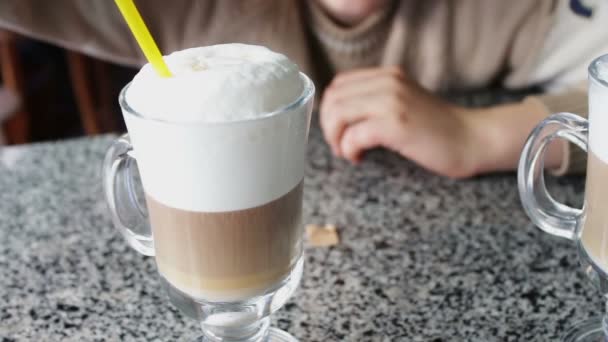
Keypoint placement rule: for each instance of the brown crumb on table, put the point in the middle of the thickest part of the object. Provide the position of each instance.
(322, 236)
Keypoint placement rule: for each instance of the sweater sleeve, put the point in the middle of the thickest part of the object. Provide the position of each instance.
(577, 35)
(96, 28)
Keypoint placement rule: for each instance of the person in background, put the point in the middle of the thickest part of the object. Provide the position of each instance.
(379, 64)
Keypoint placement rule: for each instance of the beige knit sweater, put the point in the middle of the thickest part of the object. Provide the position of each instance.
(443, 44)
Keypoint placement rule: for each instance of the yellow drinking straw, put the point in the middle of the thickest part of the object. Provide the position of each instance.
(143, 36)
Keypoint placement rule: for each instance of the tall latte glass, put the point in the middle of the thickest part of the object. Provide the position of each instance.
(223, 190)
(588, 227)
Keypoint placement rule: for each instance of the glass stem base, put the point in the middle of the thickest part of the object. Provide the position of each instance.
(271, 335)
(265, 334)
(255, 332)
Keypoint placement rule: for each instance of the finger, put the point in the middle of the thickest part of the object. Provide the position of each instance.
(351, 101)
(330, 129)
(363, 136)
(328, 122)
(334, 119)
(358, 75)
(337, 116)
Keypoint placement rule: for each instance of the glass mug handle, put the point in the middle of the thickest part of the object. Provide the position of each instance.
(549, 215)
(127, 213)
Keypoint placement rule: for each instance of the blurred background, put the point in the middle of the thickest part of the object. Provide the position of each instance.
(49, 93)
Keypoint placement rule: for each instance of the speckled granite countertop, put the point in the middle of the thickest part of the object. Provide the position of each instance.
(422, 258)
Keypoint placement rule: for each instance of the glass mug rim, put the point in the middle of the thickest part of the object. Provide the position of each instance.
(593, 70)
(303, 98)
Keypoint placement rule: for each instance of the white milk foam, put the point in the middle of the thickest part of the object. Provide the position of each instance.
(598, 111)
(211, 145)
(218, 83)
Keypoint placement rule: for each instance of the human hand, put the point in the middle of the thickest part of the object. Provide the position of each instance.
(381, 107)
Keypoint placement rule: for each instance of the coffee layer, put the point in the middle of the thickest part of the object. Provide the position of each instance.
(227, 255)
(595, 227)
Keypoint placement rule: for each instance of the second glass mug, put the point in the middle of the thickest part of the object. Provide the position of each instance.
(225, 257)
(588, 227)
